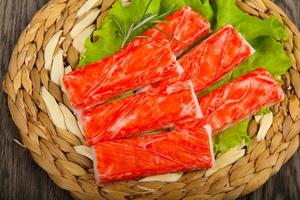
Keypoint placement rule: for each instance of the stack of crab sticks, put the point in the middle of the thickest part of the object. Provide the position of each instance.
(163, 127)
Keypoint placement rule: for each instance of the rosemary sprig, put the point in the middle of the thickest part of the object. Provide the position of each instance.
(144, 22)
(128, 34)
(165, 33)
(158, 21)
(121, 30)
(146, 9)
(147, 19)
(166, 14)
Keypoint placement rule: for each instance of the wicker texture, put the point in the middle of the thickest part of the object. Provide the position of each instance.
(54, 145)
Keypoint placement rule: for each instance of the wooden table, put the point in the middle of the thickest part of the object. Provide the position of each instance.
(21, 178)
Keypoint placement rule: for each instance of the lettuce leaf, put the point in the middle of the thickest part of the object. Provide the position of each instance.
(108, 41)
(201, 6)
(264, 111)
(250, 26)
(231, 137)
(267, 48)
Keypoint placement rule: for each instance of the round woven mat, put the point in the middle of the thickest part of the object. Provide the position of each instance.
(39, 109)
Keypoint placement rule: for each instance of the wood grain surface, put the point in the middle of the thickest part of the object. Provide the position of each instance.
(21, 178)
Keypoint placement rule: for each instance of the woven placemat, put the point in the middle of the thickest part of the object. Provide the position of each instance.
(42, 113)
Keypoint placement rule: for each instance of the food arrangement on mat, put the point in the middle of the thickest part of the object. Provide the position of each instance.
(165, 92)
(163, 103)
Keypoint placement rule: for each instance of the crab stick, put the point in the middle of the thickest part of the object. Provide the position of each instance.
(182, 150)
(182, 29)
(215, 57)
(238, 100)
(153, 109)
(142, 62)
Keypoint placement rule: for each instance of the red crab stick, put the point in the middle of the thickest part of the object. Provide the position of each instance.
(215, 57)
(183, 28)
(141, 62)
(238, 100)
(153, 109)
(184, 150)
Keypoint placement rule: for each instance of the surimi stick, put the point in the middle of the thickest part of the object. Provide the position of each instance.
(182, 29)
(238, 100)
(147, 61)
(182, 150)
(153, 109)
(214, 58)
(140, 63)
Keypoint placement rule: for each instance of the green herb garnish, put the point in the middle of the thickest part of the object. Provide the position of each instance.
(146, 20)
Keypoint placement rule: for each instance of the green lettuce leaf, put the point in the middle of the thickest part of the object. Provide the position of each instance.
(264, 111)
(201, 6)
(269, 54)
(231, 137)
(250, 26)
(108, 41)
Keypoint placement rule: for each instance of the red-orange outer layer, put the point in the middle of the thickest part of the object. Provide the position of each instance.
(183, 150)
(238, 100)
(215, 57)
(141, 62)
(151, 110)
(182, 29)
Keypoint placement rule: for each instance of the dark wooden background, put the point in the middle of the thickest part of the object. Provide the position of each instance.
(21, 178)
